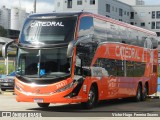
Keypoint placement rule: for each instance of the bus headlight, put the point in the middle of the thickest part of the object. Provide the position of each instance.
(74, 83)
(18, 88)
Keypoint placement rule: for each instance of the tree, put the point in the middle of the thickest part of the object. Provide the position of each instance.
(3, 32)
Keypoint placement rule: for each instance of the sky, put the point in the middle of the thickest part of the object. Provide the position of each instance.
(152, 2)
(46, 5)
(42, 5)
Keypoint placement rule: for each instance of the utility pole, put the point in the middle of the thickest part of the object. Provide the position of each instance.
(35, 5)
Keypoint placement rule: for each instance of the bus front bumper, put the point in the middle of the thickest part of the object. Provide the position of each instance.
(61, 97)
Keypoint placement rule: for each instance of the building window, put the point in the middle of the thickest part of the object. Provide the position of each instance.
(108, 8)
(69, 4)
(128, 13)
(113, 8)
(79, 2)
(58, 4)
(142, 24)
(142, 14)
(92, 2)
(132, 23)
(132, 15)
(120, 12)
(120, 19)
(157, 25)
(107, 16)
(153, 25)
(158, 34)
(158, 14)
(153, 14)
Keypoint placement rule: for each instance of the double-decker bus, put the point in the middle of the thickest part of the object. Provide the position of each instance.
(83, 58)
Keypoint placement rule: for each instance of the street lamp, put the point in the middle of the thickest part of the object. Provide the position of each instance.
(35, 5)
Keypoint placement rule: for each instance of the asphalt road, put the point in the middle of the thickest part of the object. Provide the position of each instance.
(103, 109)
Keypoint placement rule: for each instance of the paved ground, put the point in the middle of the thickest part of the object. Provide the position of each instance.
(104, 108)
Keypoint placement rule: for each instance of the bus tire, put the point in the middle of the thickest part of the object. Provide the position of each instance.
(92, 98)
(145, 93)
(138, 94)
(43, 105)
(3, 89)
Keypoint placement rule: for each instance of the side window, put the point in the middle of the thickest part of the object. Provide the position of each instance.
(108, 65)
(100, 30)
(120, 68)
(134, 37)
(140, 69)
(123, 34)
(154, 42)
(130, 68)
(86, 26)
(154, 68)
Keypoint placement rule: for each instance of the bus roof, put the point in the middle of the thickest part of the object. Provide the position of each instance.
(61, 14)
(117, 22)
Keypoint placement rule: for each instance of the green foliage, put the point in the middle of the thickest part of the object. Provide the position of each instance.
(11, 68)
(3, 32)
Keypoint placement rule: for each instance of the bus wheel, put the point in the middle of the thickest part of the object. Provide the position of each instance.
(92, 98)
(139, 93)
(145, 93)
(3, 89)
(43, 105)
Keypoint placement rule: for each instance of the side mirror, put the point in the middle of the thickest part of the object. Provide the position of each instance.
(86, 72)
(5, 48)
(74, 43)
(96, 71)
(70, 48)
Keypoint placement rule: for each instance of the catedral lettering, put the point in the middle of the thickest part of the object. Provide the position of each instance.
(48, 23)
(127, 52)
(74, 63)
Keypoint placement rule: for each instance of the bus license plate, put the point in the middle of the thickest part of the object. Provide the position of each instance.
(6, 84)
(38, 100)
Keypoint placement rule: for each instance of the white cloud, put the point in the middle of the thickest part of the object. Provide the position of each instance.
(42, 6)
(152, 2)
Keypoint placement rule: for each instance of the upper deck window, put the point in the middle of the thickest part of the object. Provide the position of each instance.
(57, 30)
(86, 26)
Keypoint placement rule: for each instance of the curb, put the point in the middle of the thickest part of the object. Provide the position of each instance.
(154, 97)
(8, 93)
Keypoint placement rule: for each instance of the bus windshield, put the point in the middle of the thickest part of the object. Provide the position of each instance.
(43, 63)
(49, 31)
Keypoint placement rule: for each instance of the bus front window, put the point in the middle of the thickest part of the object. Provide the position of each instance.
(48, 31)
(43, 63)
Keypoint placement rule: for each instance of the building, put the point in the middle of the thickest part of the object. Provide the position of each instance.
(133, 2)
(5, 17)
(12, 19)
(18, 17)
(146, 16)
(134, 12)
